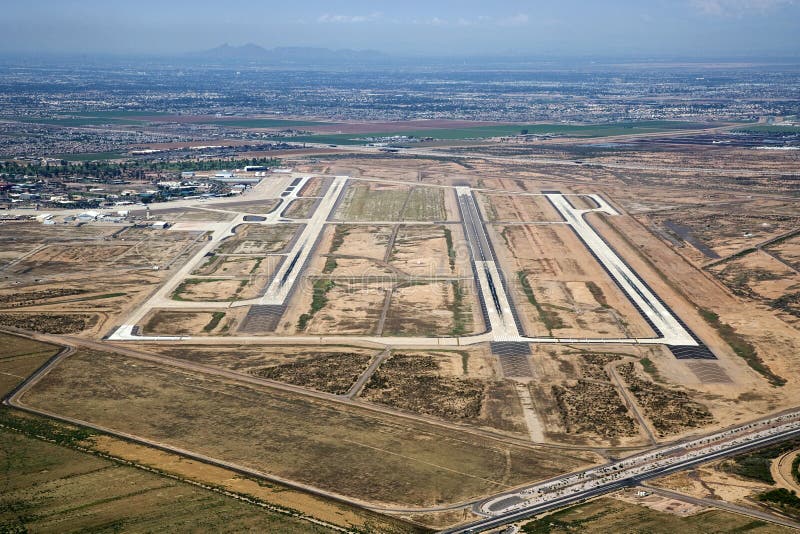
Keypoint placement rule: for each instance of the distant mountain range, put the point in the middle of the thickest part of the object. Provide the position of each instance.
(252, 53)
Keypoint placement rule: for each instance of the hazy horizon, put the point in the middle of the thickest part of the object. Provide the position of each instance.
(571, 28)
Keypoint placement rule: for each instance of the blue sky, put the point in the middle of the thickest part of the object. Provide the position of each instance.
(410, 27)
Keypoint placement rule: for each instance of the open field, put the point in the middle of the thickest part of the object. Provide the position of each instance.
(457, 386)
(360, 240)
(20, 357)
(188, 215)
(433, 309)
(289, 435)
(669, 409)
(431, 251)
(52, 488)
(301, 208)
(329, 372)
(340, 307)
(477, 132)
(765, 278)
(259, 239)
(576, 400)
(592, 404)
(50, 323)
(238, 266)
(610, 515)
(220, 289)
(191, 323)
(314, 187)
(374, 201)
(514, 208)
(560, 289)
(252, 359)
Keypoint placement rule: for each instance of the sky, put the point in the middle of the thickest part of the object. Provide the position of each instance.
(669, 28)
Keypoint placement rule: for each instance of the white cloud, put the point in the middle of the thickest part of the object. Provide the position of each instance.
(328, 18)
(738, 7)
(520, 19)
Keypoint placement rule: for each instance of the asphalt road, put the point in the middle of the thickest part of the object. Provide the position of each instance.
(616, 479)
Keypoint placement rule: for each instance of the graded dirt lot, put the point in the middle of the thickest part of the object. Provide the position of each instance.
(433, 309)
(191, 323)
(259, 239)
(238, 266)
(712, 481)
(560, 289)
(431, 251)
(338, 307)
(301, 208)
(292, 436)
(517, 208)
(132, 249)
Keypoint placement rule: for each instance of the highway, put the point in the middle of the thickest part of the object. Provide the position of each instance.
(576, 487)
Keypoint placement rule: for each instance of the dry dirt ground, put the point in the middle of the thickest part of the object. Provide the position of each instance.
(47, 487)
(259, 239)
(326, 368)
(613, 515)
(350, 451)
(679, 207)
(570, 293)
(462, 386)
(192, 323)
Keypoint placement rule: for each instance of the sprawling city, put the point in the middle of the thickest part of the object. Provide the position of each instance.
(504, 283)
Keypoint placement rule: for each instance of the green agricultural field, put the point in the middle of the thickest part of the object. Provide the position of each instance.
(481, 132)
(262, 123)
(90, 156)
(78, 122)
(348, 450)
(769, 129)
